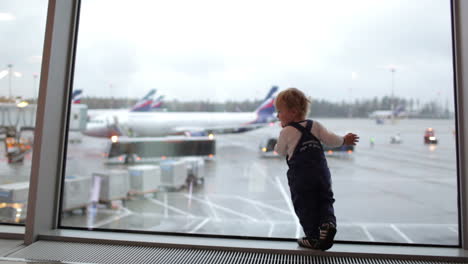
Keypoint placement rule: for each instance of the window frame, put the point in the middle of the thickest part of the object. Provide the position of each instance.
(53, 107)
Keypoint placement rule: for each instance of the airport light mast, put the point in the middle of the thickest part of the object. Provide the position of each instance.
(35, 75)
(10, 73)
(392, 99)
(9, 79)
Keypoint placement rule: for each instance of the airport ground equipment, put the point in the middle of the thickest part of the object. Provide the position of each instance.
(14, 192)
(113, 185)
(13, 202)
(195, 169)
(129, 150)
(338, 151)
(77, 190)
(395, 139)
(18, 144)
(144, 179)
(267, 148)
(429, 136)
(173, 174)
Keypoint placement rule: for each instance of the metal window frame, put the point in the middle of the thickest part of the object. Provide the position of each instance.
(51, 119)
(460, 66)
(52, 113)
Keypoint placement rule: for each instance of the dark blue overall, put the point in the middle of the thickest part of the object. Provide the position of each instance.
(310, 182)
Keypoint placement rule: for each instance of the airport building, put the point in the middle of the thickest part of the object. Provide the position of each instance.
(188, 179)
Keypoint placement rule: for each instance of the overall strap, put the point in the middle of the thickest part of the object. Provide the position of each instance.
(308, 126)
(303, 130)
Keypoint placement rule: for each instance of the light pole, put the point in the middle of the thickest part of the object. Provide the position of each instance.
(354, 77)
(9, 79)
(392, 99)
(35, 75)
(112, 97)
(10, 74)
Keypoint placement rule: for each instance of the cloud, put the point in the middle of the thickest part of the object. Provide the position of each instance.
(236, 50)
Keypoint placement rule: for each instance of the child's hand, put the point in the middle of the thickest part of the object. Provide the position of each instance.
(350, 139)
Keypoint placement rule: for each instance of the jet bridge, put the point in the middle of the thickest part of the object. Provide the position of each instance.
(17, 123)
(21, 115)
(17, 115)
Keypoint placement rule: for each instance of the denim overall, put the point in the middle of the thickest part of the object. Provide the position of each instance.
(310, 182)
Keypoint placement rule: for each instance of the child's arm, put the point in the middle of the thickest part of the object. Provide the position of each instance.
(282, 144)
(327, 137)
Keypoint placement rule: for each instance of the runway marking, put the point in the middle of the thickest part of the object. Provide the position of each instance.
(384, 224)
(368, 234)
(200, 225)
(453, 229)
(401, 233)
(254, 202)
(126, 213)
(225, 209)
(166, 213)
(288, 202)
(270, 231)
(213, 211)
(186, 226)
(265, 216)
(171, 207)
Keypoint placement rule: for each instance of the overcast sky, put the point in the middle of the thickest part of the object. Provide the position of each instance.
(221, 50)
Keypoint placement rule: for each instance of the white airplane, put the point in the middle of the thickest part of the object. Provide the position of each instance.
(143, 105)
(156, 124)
(389, 114)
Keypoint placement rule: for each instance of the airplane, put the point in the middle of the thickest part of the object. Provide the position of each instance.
(145, 104)
(76, 96)
(158, 124)
(157, 103)
(141, 106)
(399, 112)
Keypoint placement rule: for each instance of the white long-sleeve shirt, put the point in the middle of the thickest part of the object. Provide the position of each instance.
(289, 137)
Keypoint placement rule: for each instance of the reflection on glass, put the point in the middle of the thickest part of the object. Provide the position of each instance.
(174, 126)
(22, 27)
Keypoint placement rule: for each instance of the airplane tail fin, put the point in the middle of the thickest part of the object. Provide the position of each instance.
(144, 104)
(76, 96)
(157, 103)
(398, 110)
(267, 107)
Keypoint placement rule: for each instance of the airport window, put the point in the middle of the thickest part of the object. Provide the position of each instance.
(22, 27)
(175, 127)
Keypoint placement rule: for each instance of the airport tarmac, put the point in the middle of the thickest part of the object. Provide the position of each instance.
(399, 193)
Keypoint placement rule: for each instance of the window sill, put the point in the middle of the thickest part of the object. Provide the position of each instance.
(11, 232)
(251, 245)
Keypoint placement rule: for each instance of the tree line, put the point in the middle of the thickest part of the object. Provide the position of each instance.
(359, 108)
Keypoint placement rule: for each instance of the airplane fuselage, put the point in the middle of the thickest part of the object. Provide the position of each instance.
(155, 124)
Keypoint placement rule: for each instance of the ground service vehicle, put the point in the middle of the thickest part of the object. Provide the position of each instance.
(429, 136)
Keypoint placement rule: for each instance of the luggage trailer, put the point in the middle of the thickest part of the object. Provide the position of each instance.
(130, 150)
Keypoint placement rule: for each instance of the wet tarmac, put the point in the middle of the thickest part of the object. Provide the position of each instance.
(401, 193)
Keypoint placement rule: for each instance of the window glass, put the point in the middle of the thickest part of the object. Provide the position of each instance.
(173, 126)
(22, 27)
